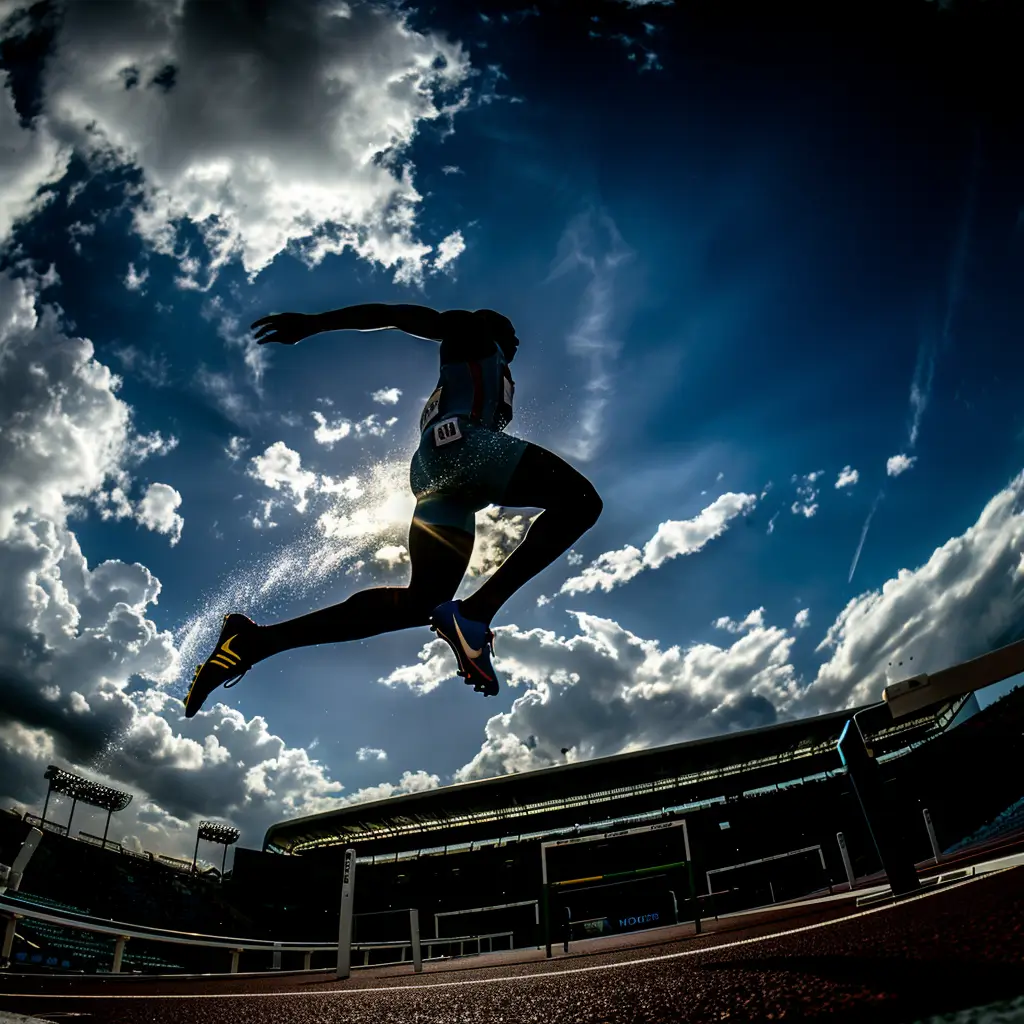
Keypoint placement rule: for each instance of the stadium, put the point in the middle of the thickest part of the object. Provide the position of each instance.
(798, 830)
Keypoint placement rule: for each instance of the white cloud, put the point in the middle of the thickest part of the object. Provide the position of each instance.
(410, 782)
(753, 620)
(30, 159)
(387, 396)
(236, 448)
(392, 555)
(807, 488)
(134, 281)
(848, 476)
(145, 446)
(158, 511)
(451, 169)
(673, 538)
(497, 535)
(593, 337)
(280, 468)
(328, 434)
(64, 435)
(250, 176)
(965, 600)
(897, 464)
(449, 249)
(606, 690)
(374, 753)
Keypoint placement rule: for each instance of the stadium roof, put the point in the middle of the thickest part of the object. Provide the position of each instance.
(606, 788)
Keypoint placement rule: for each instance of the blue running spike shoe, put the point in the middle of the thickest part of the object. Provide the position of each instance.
(472, 644)
(231, 659)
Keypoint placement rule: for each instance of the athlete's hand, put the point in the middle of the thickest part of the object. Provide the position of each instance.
(285, 328)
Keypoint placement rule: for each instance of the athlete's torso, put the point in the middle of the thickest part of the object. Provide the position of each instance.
(474, 384)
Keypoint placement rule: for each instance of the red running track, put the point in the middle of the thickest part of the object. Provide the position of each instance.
(949, 949)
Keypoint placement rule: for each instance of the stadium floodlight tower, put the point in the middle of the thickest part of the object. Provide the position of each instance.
(215, 832)
(91, 793)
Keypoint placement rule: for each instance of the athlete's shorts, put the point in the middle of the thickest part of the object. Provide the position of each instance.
(460, 468)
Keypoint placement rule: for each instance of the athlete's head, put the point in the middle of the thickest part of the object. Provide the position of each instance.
(499, 328)
(481, 323)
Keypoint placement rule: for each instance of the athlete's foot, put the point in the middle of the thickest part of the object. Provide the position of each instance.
(472, 643)
(231, 659)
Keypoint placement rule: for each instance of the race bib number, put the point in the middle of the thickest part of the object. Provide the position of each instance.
(430, 409)
(446, 431)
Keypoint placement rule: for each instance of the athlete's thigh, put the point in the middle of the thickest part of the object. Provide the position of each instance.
(542, 479)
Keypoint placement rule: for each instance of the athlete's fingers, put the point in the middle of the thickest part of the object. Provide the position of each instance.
(263, 320)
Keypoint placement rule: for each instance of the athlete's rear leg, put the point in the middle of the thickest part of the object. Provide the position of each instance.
(438, 555)
(571, 506)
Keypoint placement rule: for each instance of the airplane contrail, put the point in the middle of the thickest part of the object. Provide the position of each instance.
(864, 534)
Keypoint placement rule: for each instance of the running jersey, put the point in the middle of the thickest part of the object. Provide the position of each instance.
(479, 390)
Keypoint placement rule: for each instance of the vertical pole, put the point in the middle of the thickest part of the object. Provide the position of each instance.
(46, 802)
(348, 880)
(693, 880)
(195, 852)
(824, 870)
(771, 889)
(223, 862)
(74, 803)
(235, 953)
(12, 924)
(118, 954)
(536, 922)
(106, 828)
(544, 897)
(936, 852)
(307, 959)
(847, 866)
(417, 953)
(277, 957)
(879, 811)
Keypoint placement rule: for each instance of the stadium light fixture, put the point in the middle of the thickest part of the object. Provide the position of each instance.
(87, 792)
(215, 832)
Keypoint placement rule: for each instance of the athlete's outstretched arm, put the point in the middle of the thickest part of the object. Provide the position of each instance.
(289, 328)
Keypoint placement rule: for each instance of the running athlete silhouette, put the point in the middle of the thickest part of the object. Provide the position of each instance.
(464, 462)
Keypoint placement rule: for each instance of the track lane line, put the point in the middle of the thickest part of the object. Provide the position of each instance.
(538, 975)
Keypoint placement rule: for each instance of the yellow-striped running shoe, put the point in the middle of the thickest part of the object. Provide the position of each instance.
(226, 666)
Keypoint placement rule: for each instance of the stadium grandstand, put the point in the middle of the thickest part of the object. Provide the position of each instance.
(762, 812)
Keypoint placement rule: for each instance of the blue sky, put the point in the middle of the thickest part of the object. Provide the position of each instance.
(766, 277)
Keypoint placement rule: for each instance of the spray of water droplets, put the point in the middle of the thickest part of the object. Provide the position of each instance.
(352, 524)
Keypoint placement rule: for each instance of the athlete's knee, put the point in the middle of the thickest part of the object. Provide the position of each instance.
(421, 601)
(590, 505)
(411, 607)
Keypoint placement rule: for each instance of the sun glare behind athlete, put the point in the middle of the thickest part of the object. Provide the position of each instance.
(465, 461)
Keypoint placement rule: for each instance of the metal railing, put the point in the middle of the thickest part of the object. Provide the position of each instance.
(49, 826)
(16, 910)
